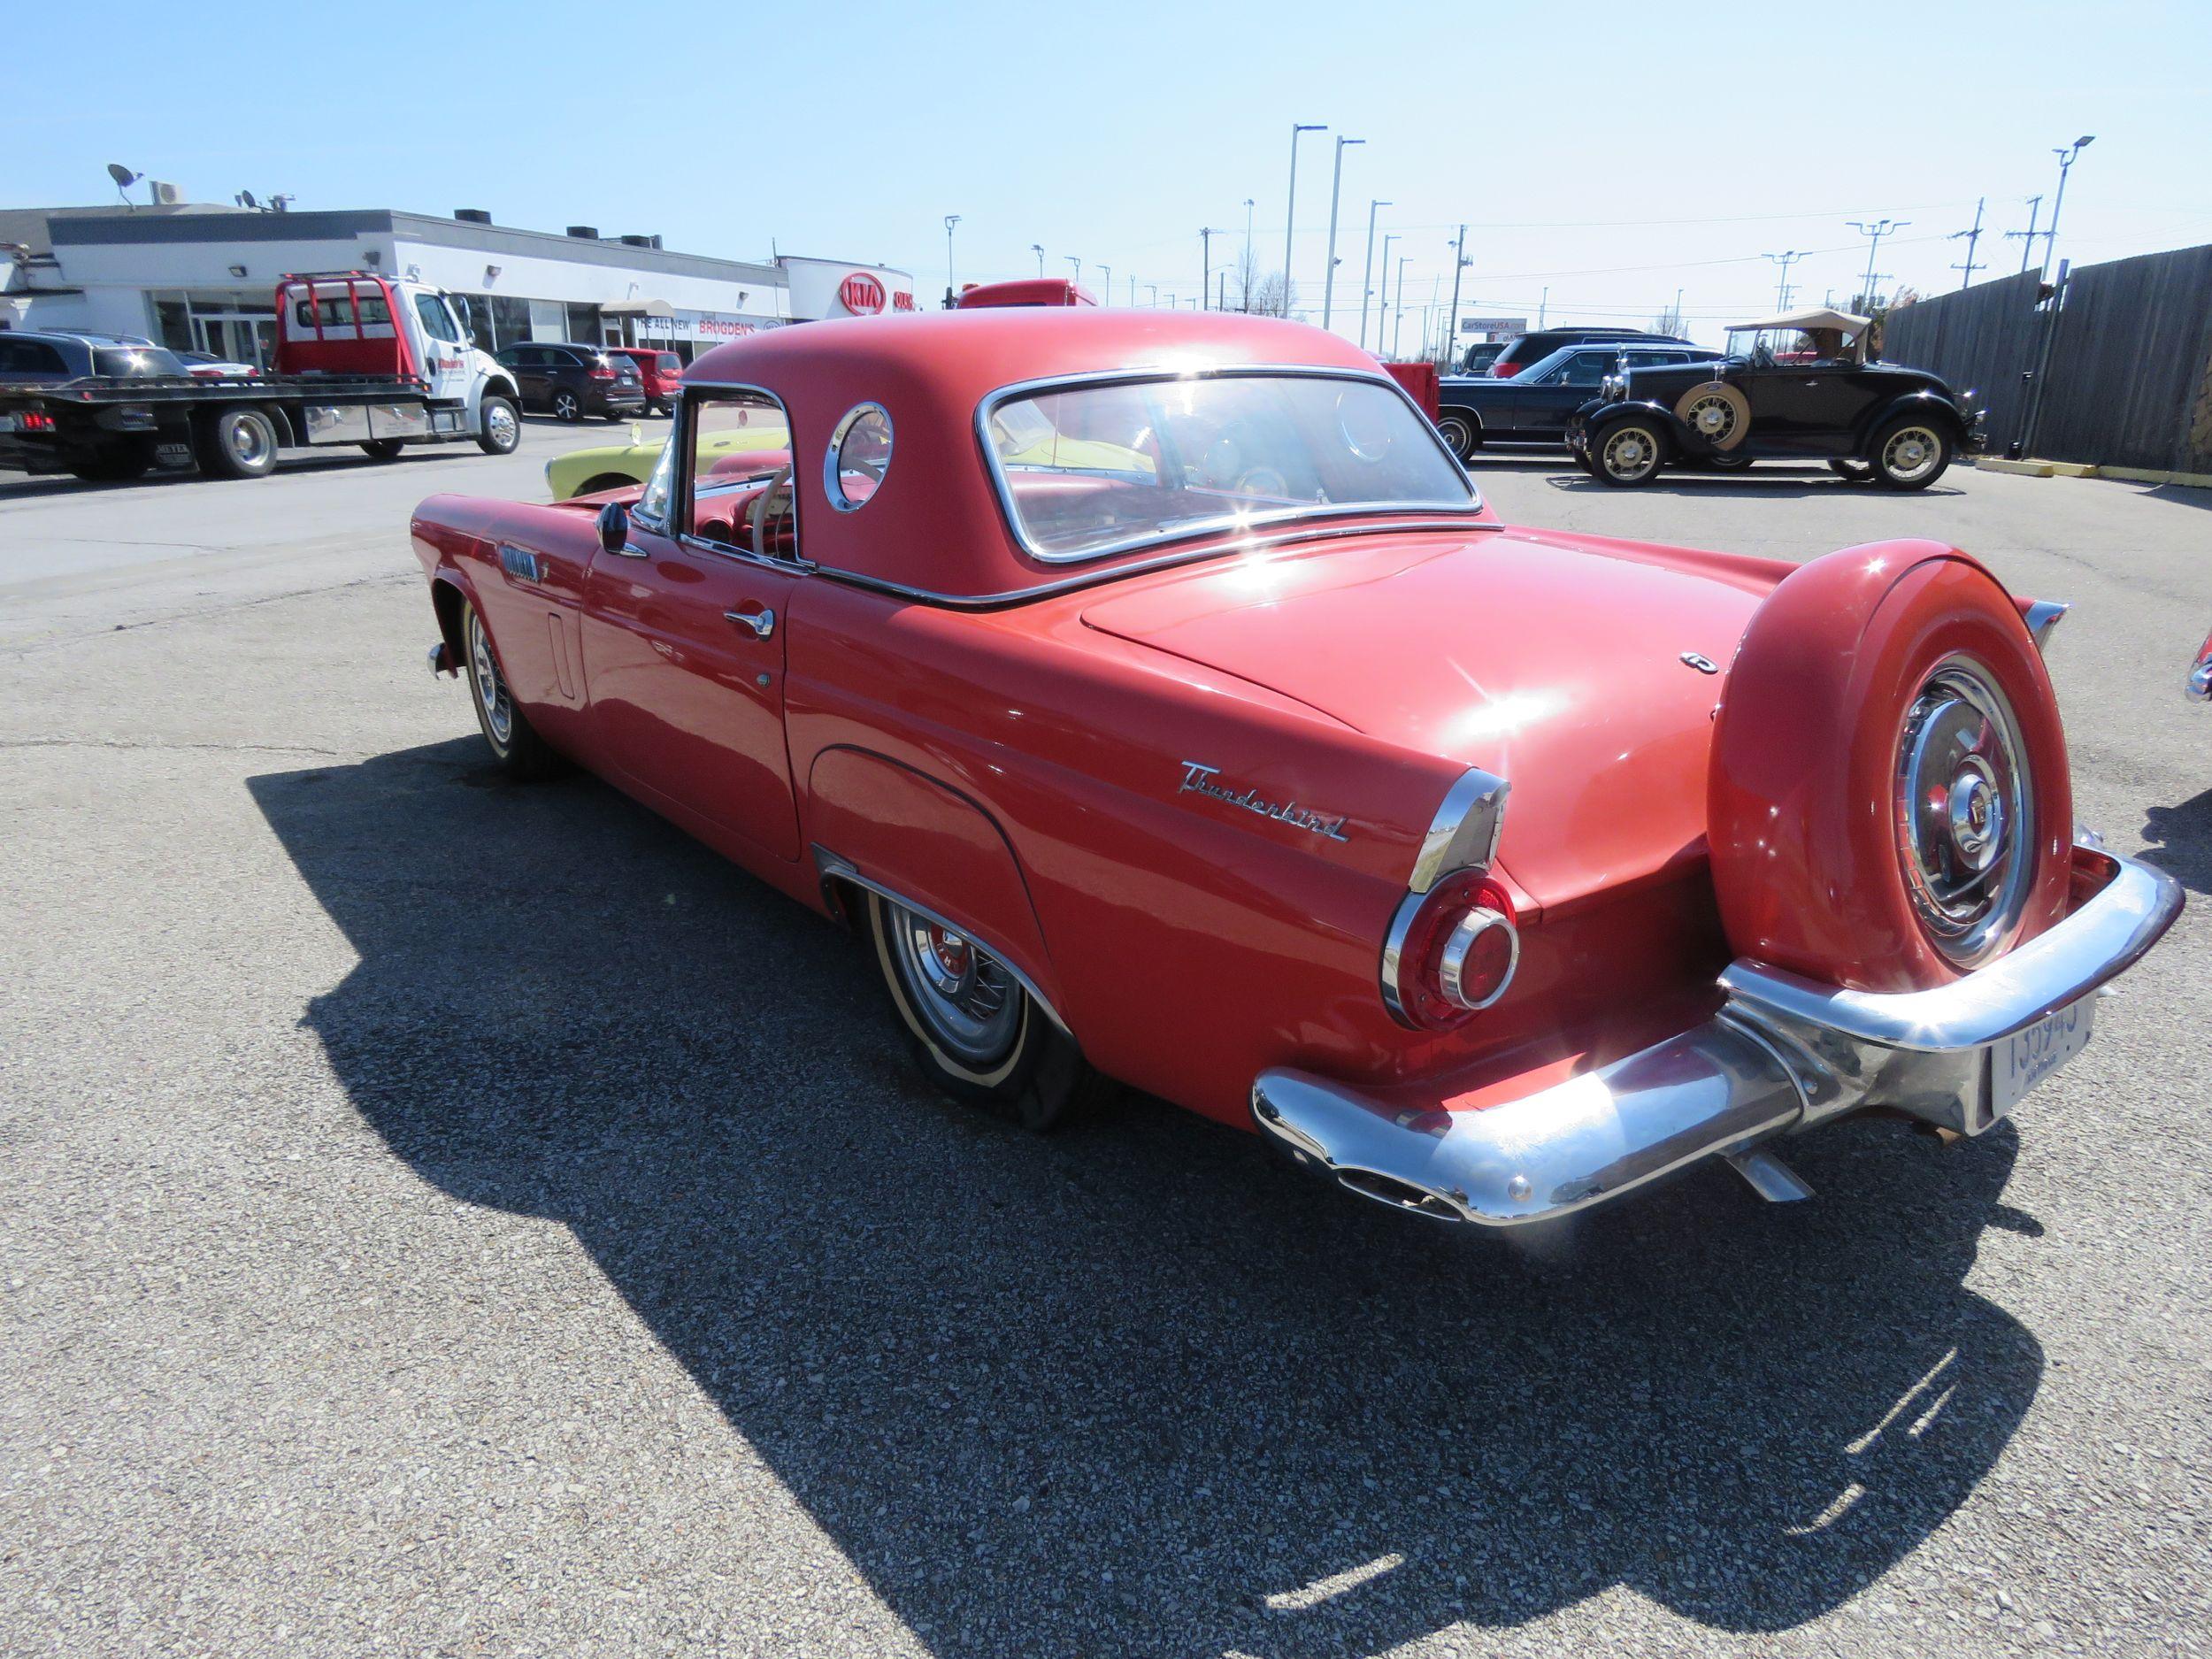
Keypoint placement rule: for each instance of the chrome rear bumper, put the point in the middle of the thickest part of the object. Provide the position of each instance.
(1784, 1054)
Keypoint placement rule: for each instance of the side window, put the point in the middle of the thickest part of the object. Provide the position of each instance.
(739, 495)
(437, 321)
(1587, 368)
(30, 356)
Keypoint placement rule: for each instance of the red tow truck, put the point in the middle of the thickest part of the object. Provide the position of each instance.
(361, 358)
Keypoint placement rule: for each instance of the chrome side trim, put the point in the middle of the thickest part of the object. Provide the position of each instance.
(830, 867)
(1137, 567)
(1548, 1154)
(1465, 829)
(1168, 374)
(2100, 940)
(2043, 618)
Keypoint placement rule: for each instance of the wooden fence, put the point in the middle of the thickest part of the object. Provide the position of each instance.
(2128, 379)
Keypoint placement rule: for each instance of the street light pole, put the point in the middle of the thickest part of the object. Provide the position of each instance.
(1398, 323)
(1459, 264)
(1874, 233)
(950, 220)
(1244, 276)
(2065, 154)
(1290, 212)
(1206, 234)
(1153, 290)
(1336, 189)
(1106, 285)
(1782, 283)
(1037, 248)
(1367, 270)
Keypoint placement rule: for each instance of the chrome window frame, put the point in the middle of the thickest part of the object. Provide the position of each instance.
(1164, 374)
(687, 457)
(832, 457)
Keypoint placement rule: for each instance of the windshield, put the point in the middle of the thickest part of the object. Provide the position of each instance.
(1090, 470)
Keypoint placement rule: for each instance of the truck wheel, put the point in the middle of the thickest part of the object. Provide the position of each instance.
(1461, 435)
(116, 463)
(1628, 453)
(498, 430)
(521, 753)
(237, 443)
(567, 405)
(1887, 801)
(1909, 453)
(977, 1036)
(382, 449)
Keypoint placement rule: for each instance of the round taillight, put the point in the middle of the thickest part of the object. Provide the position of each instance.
(1452, 952)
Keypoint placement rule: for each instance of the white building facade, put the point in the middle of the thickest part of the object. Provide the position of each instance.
(202, 278)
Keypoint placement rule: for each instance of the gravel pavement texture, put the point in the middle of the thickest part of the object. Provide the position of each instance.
(447, 1218)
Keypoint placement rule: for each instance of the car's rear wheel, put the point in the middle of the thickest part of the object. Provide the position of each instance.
(1909, 453)
(1461, 432)
(607, 480)
(567, 405)
(115, 462)
(976, 1032)
(1852, 471)
(1628, 453)
(236, 443)
(498, 428)
(1889, 804)
(515, 743)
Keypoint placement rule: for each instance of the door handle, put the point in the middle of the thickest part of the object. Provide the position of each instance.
(762, 621)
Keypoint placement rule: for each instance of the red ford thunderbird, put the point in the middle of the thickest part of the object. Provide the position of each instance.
(1161, 698)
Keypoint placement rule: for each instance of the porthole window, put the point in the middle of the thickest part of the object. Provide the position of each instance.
(859, 455)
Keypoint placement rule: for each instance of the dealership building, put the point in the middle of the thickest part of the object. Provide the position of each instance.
(200, 278)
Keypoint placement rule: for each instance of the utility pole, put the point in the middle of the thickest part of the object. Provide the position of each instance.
(1244, 276)
(1290, 212)
(1106, 285)
(1874, 233)
(1972, 236)
(950, 285)
(1782, 286)
(2027, 237)
(1459, 264)
(1206, 234)
(1153, 290)
(1397, 327)
(1336, 190)
(1543, 305)
(1132, 293)
(1221, 285)
(1676, 314)
(1037, 248)
(1367, 270)
(2065, 154)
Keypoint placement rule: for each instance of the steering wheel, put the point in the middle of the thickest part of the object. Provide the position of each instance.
(771, 504)
(1261, 481)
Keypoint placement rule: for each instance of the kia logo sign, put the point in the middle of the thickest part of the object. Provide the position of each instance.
(861, 295)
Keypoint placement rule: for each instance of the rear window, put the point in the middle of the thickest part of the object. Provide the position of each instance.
(337, 312)
(136, 362)
(668, 363)
(30, 356)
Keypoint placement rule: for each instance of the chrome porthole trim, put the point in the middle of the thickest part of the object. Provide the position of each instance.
(833, 468)
(1459, 945)
(1964, 809)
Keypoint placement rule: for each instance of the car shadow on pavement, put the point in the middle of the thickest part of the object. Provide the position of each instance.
(1138, 1388)
(1788, 486)
(2180, 839)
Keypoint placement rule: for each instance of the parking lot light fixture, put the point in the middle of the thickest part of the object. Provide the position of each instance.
(1290, 211)
(1336, 190)
(1367, 270)
(2065, 154)
(951, 286)
(1037, 248)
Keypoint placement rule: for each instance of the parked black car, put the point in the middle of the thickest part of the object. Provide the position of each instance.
(1478, 357)
(570, 380)
(1794, 386)
(1523, 351)
(29, 355)
(1535, 405)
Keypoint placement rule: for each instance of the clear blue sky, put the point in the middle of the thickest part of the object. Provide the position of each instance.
(1612, 153)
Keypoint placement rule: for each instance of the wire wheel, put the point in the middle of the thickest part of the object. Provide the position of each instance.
(965, 998)
(1629, 453)
(492, 700)
(1716, 413)
(1966, 830)
(1911, 454)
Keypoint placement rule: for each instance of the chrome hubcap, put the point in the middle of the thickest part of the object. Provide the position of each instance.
(501, 423)
(1911, 452)
(1966, 830)
(1712, 418)
(248, 442)
(962, 993)
(491, 691)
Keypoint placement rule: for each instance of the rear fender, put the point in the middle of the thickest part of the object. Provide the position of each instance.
(1931, 406)
(913, 839)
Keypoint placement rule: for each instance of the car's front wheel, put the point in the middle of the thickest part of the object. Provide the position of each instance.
(976, 1032)
(498, 429)
(1461, 433)
(567, 405)
(1628, 453)
(1909, 453)
(515, 743)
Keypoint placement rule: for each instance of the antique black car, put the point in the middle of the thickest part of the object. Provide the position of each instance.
(1797, 387)
(1533, 406)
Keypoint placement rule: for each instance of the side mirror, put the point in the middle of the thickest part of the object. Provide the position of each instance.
(614, 528)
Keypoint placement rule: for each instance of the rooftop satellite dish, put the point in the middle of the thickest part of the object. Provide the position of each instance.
(124, 178)
(245, 199)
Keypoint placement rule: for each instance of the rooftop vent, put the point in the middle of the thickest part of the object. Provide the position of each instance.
(473, 215)
(642, 241)
(589, 233)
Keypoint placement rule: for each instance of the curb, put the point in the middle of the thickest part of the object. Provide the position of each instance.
(2082, 469)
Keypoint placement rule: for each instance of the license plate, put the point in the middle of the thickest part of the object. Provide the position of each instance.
(2028, 1057)
(7, 423)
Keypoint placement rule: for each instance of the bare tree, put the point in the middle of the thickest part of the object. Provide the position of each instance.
(1274, 294)
(1244, 280)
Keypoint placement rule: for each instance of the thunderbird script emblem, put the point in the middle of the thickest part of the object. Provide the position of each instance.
(1199, 779)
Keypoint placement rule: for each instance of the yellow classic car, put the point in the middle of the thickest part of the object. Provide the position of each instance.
(617, 465)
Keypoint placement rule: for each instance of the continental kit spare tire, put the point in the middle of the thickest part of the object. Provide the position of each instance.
(1888, 806)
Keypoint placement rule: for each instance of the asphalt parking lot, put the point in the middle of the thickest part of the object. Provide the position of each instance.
(446, 1217)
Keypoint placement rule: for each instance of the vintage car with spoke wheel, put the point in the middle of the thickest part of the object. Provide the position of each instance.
(1797, 387)
(1158, 698)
